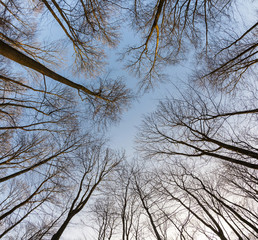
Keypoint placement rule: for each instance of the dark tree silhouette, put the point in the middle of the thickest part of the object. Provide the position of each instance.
(97, 165)
(231, 60)
(201, 124)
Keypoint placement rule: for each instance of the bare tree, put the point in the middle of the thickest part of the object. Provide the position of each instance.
(128, 203)
(167, 28)
(19, 22)
(117, 214)
(86, 24)
(32, 178)
(24, 201)
(108, 97)
(40, 126)
(105, 218)
(230, 60)
(206, 202)
(147, 201)
(205, 153)
(39, 133)
(184, 200)
(203, 125)
(45, 135)
(112, 97)
(96, 164)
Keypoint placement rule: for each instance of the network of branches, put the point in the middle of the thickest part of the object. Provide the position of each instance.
(195, 175)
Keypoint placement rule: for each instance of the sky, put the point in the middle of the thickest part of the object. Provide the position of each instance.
(122, 135)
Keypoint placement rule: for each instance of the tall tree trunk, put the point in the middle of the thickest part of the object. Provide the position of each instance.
(15, 55)
(60, 231)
